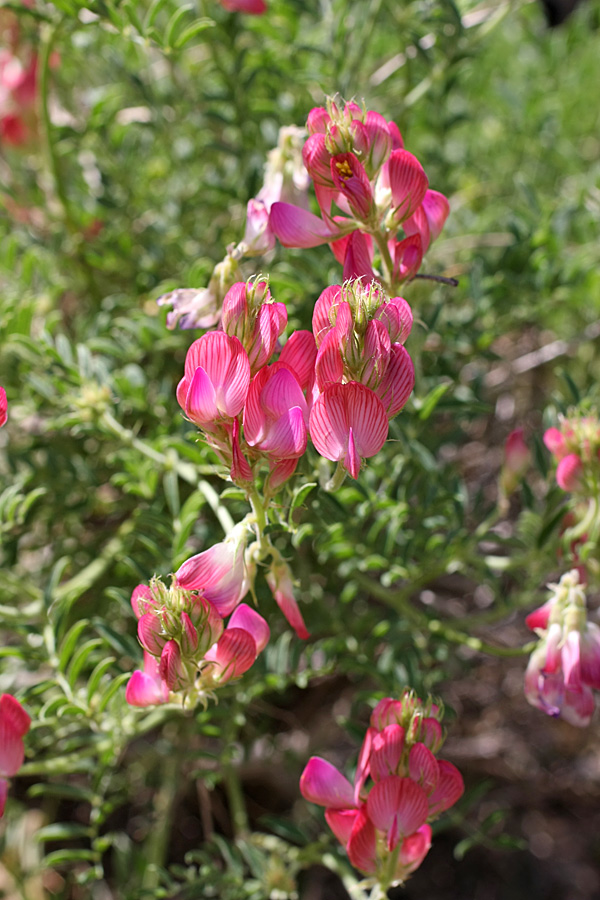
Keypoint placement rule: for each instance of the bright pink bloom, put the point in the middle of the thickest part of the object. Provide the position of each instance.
(218, 574)
(3, 407)
(217, 376)
(404, 176)
(252, 7)
(246, 635)
(569, 473)
(14, 725)
(348, 423)
(299, 354)
(555, 442)
(322, 783)
(296, 227)
(547, 691)
(517, 459)
(146, 688)
(279, 579)
(350, 178)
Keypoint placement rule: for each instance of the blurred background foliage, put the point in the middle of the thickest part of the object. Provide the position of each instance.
(153, 124)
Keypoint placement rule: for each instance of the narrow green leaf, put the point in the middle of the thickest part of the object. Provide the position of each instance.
(68, 643)
(81, 657)
(63, 831)
(96, 676)
(192, 30)
(173, 23)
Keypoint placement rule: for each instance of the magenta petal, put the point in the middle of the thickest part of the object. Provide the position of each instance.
(322, 783)
(206, 568)
(578, 706)
(414, 850)
(13, 716)
(358, 258)
(142, 600)
(352, 459)
(150, 633)
(3, 781)
(249, 620)
(437, 210)
(363, 766)
(280, 583)
(12, 751)
(341, 822)
(255, 421)
(281, 470)
(362, 844)
(569, 472)
(200, 402)
(281, 392)
(329, 366)
(589, 661)
(555, 442)
(398, 807)
(367, 417)
(296, 227)
(324, 313)
(143, 690)
(540, 616)
(450, 788)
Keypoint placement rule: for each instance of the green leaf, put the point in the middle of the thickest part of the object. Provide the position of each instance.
(63, 831)
(69, 642)
(192, 30)
(301, 493)
(429, 403)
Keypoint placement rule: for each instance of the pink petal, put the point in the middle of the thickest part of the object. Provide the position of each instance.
(280, 583)
(398, 382)
(341, 822)
(344, 406)
(397, 317)
(150, 633)
(377, 348)
(450, 788)
(201, 400)
(288, 436)
(233, 654)
(171, 668)
(281, 392)
(423, 767)
(3, 407)
(255, 420)
(540, 616)
(143, 690)
(325, 311)
(3, 795)
(363, 766)
(578, 706)
(12, 714)
(569, 473)
(358, 258)
(249, 620)
(316, 157)
(431, 734)
(387, 752)
(250, 7)
(142, 600)
(555, 442)
(206, 568)
(296, 227)
(589, 662)
(414, 850)
(329, 366)
(352, 459)
(299, 354)
(318, 120)
(387, 712)
(350, 178)
(407, 256)
(380, 140)
(240, 469)
(321, 783)
(362, 844)
(408, 183)
(398, 807)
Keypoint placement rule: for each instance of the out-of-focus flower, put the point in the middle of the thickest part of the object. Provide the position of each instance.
(517, 459)
(252, 7)
(565, 665)
(18, 91)
(279, 579)
(575, 444)
(3, 407)
(384, 826)
(14, 725)
(201, 307)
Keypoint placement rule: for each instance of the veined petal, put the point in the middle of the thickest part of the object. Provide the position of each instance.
(437, 210)
(150, 633)
(398, 382)
(407, 256)
(397, 317)
(398, 807)
(3, 792)
(280, 582)
(142, 600)
(324, 313)
(387, 751)
(15, 718)
(362, 844)
(201, 400)
(358, 258)
(288, 436)
(341, 822)
(323, 784)
(255, 421)
(249, 620)
(423, 767)
(281, 392)
(363, 766)
(143, 690)
(281, 470)
(352, 459)
(377, 349)
(367, 417)
(449, 789)
(329, 366)
(206, 568)
(296, 227)
(414, 849)
(408, 183)
(233, 654)
(299, 354)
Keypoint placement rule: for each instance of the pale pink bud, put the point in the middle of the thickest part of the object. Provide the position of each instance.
(3, 407)
(189, 636)
(348, 423)
(569, 473)
(279, 579)
(142, 600)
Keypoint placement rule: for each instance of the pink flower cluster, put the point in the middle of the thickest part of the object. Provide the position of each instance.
(14, 725)
(358, 164)
(252, 7)
(384, 825)
(341, 384)
(576, 447)
(187, 648)
(565, 665)
(18, 87)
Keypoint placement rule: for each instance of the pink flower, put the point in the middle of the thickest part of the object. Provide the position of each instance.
(3, 407)
(252, 7)
(517, 459)
(147, 688)
(547, 691)
(555, 442)
(14, 725)
(279, 579)
(348, 423)
(276, 418)
(218, 574)
(569, 473)
(217, 376)
(429, 218)
(246, 635)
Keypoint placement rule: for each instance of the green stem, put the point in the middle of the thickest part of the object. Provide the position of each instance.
(235, 797)
(185, 471)
(337, 478)
(386, 260)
